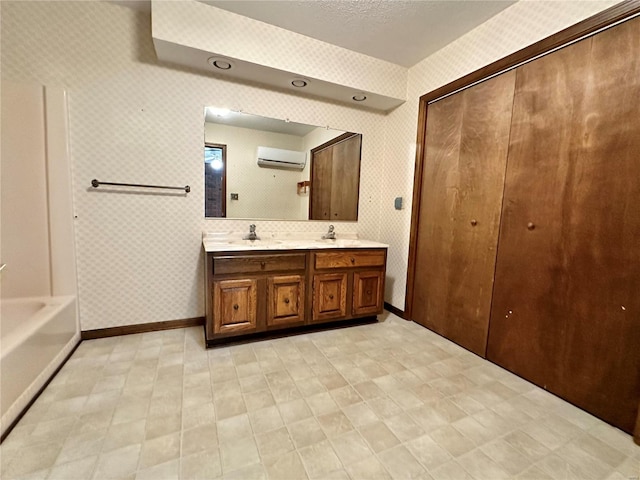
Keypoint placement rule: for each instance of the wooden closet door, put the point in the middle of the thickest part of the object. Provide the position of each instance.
(322, 171)
(566, 308)
(464, 166)
(346, 179)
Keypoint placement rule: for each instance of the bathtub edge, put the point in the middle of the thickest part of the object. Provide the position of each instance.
(49, 374)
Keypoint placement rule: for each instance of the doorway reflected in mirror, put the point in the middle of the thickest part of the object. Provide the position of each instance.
(215, 179)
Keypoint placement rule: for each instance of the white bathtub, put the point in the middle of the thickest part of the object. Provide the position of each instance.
(36, 334)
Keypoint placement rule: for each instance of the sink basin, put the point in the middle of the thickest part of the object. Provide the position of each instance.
(254, 243)
(341, 242)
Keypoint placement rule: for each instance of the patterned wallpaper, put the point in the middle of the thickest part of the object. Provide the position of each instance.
(514, 28)
(132, 120)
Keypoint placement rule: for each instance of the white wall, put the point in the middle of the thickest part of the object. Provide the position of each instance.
(262, 192)
(134, 120)
(25, 223)
(516, 27)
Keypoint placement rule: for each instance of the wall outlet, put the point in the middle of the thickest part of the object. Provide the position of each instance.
(234, 196)
(397, 203)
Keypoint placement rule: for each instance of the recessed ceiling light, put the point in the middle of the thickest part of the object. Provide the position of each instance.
(359, 97)
(220, 63)
(299, 83)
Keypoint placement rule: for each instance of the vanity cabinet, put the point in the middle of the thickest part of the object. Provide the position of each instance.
(348, 284)
(256, 291)
(249, 293)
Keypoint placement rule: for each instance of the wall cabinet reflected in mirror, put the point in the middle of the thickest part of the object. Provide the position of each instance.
(305, 172)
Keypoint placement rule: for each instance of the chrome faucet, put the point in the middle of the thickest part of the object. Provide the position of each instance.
(252, 234)
(331, 234)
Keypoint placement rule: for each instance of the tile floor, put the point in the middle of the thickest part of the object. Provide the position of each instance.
(385, 400)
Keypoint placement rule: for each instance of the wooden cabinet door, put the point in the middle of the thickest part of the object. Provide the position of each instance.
(461, 199)
(368, 292)
(235, 305)
(566, 305)
(285, 297)
(329, 296)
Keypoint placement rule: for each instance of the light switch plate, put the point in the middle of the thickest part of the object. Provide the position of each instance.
(397, 203)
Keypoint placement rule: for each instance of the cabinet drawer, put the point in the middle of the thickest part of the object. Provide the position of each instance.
(258, 263)
(367, 258)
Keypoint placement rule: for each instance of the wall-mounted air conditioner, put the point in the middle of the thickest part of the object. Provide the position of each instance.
(279, 158)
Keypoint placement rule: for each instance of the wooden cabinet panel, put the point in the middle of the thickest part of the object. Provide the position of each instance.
(368, 292)
(339, 259)
(467, 140)
(235, 305)
(258, 263)
(329, 296)
(566, 303)
(285, 297)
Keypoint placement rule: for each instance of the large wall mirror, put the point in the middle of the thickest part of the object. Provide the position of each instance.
(264, 168)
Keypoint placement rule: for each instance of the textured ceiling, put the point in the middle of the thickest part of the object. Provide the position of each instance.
(398, 31)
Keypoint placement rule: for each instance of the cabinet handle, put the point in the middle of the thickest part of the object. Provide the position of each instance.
(330, 297)
(474, 222)
(286, 300)
(236, 307)
(530, 226)
(368, 292)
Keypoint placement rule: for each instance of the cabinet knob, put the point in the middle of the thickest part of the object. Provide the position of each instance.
(236, 307)
(353, 260)
(286, 300)
(530, 226)
(262, 264)
(331, 297)
(368, 292)
(474, 222)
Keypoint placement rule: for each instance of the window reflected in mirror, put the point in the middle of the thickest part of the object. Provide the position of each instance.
(264, 168)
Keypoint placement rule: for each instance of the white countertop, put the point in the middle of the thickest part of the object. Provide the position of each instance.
(233, 242)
